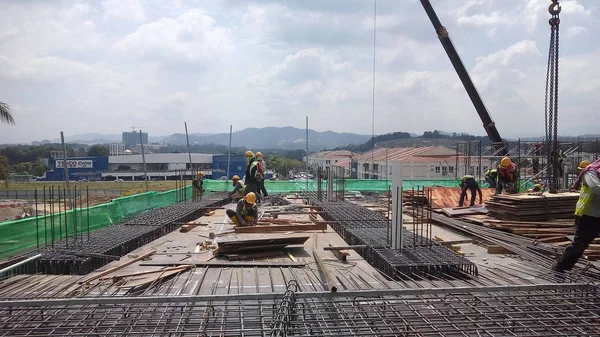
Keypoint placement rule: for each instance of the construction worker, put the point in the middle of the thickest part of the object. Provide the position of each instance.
(251, 170)
(246, 211)
(582, 166)
(198, 184)
(506, 176)
(468, 182)
(261, 176)
(536, 188)
(587, 217)
(238, 188)
(491, 176)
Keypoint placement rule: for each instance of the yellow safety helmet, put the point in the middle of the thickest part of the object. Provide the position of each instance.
(538, 186)
(200, 174)
(505, 162)
(250, 198)
(258, 154)
(235, 177)
(583, 164)
(249, 154)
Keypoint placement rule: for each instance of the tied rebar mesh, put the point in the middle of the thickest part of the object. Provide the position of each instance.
(285, 311)
(551, 104)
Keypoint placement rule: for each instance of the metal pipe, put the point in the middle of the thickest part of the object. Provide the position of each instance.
(9, 268)
(37, 225)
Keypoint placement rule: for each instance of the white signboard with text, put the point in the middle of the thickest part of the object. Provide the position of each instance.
(74, 163)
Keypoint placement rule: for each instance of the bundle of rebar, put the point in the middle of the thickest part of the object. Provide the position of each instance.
(358, 225)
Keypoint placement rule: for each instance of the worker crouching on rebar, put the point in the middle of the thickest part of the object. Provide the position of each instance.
(238, 189)
(260, 176)
(468, 182)
(507, 176)
(246, 211)
(587, 216)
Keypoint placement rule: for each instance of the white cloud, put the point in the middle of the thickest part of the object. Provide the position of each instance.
(126, 10)
(192, 36)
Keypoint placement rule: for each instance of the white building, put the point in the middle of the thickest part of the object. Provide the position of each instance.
(160, 166)
(418, 163)
(329, 158)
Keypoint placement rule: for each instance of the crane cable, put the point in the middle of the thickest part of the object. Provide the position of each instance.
(551, 104)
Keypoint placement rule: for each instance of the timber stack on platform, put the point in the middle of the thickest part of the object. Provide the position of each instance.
(533, 207)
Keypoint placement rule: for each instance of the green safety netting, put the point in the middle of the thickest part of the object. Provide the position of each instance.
(361, 185)
(21, 235)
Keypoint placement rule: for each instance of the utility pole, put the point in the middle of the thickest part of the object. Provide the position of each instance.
(229, 154)
(307, 154)
(144, 160)
(66, 171)
(187, 138)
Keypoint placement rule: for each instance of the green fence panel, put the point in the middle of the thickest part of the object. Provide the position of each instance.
(21, 235)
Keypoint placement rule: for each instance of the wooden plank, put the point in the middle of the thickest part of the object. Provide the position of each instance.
(292, 257)
(496, 249)
(550, 239)
(119, 277)
(280, 228)
(152, 279)
(114, 269)
(259, 255)
(225, 264)
(340, 254)
(345, 247)
(454, 242)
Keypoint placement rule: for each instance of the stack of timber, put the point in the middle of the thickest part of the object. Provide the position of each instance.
(257, 248)
(558, 233)
(533, 207)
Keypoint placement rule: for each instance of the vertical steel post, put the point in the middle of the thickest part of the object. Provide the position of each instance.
(144, 159)
(229, 152)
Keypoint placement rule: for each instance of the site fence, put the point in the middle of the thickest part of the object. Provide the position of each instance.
(350, 185)
(22, 235)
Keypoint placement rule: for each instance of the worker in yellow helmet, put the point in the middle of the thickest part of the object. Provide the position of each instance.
(581, 167)
(251, 181)
(507, 176)
(246, 211)
(238, 188)
(260, 176)
(536, 188)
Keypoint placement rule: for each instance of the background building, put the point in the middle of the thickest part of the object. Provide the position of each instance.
(131, 139)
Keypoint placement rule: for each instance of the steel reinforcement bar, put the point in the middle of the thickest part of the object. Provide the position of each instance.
(557, 310)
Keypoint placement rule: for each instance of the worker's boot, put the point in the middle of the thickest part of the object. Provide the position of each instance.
(235, 220)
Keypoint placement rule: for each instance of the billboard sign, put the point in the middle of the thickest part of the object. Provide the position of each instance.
(73, 164)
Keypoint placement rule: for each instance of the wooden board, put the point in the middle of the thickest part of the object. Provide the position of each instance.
(237, 246)
(281, 228)
(274, 264)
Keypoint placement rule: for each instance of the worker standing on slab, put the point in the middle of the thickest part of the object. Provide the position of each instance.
(261, 173)
(246, 211)
(468, 182)
(491, 176)
(507, 176)
(198, 184)
(587, 216)
(251, 170)
(238, 188)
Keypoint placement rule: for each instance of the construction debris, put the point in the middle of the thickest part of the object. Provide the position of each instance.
(257, 245)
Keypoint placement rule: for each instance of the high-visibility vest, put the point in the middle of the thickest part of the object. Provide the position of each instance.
(584, 201)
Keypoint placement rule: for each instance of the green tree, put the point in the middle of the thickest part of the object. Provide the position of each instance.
(4, 170)
(38, 169)
(6, 114)
(98, 151)
(23, 168)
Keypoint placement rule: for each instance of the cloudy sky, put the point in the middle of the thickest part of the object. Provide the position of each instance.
(105, 66)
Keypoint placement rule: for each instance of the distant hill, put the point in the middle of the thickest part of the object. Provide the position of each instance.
(287, 138)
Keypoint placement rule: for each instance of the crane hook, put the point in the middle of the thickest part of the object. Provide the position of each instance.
(554, 8)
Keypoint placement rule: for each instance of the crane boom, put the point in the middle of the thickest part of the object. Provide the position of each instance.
(488, 124)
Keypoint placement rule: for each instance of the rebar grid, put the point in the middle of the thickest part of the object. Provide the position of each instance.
(563, 311)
